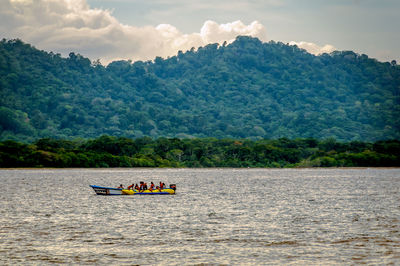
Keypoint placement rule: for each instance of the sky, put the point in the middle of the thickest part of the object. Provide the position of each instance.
(143, 29)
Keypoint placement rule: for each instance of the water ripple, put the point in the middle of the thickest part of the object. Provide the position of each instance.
(218, 216)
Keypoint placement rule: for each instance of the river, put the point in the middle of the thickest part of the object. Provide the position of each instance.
(218, 216)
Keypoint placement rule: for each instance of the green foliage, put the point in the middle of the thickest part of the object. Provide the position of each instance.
(247, 89)
(107, 151)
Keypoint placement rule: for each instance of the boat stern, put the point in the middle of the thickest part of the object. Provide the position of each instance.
(106, 191)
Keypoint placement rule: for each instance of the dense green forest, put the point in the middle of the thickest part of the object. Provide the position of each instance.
(107, 151)
(247, 89)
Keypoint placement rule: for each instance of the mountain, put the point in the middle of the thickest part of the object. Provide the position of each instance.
(247, 89)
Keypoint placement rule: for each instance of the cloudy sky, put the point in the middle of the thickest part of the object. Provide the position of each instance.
(142, 29)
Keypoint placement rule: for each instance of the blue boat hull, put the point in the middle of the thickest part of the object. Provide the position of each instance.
(106, 191)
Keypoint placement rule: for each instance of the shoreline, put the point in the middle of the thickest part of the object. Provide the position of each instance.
(195, 168)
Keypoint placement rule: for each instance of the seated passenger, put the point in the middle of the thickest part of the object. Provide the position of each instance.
(130, 187)
(121, 186)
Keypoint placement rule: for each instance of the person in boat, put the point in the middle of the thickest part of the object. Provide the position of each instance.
(161, 185)
(158, 188)
(145, 186)
(151, 186)
(130, 187)
(121, 186)
(136, 187)
(141, 186)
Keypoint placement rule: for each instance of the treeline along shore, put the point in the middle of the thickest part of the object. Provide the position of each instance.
(109, 151)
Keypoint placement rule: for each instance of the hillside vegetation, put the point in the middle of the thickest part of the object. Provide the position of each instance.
(247, 89)
(107, 151)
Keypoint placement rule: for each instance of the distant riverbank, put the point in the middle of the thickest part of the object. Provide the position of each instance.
(108, 151)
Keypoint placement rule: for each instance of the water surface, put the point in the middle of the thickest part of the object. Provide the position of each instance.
(223, 216)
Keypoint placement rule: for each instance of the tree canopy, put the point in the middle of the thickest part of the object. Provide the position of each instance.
(247, 89)
(108, 151)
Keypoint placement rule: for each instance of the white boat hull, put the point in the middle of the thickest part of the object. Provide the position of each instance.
(106, 191)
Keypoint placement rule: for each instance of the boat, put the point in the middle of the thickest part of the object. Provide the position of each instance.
(148, 192)
(109, 191)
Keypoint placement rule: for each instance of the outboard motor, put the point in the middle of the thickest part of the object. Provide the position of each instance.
(172, 186)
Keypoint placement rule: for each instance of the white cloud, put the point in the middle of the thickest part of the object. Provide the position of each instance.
(211, 32)
(314, 48)
(66, 26)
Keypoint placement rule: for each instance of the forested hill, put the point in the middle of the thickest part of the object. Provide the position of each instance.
(247, 89)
